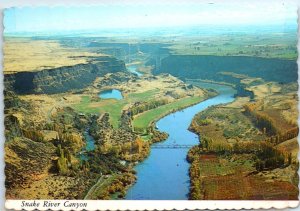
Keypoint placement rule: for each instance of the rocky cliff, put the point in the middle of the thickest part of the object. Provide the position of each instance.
(206, 67)
(50, 81)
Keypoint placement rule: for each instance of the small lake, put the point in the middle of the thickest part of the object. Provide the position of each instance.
(111, 94)
(164, 174)
(132, 69)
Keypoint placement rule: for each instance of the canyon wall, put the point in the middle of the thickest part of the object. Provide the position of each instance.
(62, 79)
(206, 67)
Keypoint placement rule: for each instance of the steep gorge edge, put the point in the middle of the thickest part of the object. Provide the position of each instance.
(208, 67)
(61, 79)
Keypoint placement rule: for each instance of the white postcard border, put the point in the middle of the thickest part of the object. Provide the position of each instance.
(123, 204)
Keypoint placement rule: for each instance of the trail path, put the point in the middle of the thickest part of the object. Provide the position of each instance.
(100, 182)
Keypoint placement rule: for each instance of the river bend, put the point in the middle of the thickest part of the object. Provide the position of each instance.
(164, 174)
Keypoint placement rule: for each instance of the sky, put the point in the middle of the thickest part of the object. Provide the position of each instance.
(114, 16)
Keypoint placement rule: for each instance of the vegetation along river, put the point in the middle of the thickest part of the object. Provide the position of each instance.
(164, 174)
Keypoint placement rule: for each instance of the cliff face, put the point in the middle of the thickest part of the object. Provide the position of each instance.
(50, 81)
(206, 67)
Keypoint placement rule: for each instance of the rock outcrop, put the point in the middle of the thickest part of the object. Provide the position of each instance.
(62, 79)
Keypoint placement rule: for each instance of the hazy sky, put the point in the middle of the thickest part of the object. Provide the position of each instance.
(40, 19)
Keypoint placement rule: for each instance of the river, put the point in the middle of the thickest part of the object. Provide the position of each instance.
(133, 69)
(89, 145)
(164, 174)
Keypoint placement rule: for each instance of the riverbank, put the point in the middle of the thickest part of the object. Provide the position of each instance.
(149, 118)
(110, 187)
(209, 81)
(170, 162)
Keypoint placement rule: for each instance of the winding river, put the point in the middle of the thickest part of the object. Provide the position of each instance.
(133, 69)
(164, 174)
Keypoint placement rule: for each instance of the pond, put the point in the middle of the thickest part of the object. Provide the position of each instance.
(111, 94)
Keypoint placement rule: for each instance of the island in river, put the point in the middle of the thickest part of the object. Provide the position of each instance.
(86, 125)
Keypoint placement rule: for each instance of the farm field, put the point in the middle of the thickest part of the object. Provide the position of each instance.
(230, 136)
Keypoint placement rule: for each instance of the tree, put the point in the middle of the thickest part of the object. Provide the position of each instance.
(62, 165)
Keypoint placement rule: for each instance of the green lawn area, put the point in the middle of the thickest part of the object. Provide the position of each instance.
(142, 121)
(112, 106)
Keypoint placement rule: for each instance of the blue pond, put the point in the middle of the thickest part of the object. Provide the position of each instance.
(111, 94)
(164, 174)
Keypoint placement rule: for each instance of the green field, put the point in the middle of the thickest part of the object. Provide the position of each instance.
(283, 46)
(112, 106)
(142, 121)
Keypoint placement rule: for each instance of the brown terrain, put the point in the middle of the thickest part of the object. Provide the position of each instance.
(247, 144)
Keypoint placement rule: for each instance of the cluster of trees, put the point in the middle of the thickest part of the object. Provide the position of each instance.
(67, 145)
(53, 126)
(158, 136)
(72, 140)
(136, 150)
(245, 147)
(262, 120)
(34, 135)
(104, 163)
(63, 160)
(281, 137)
(193, 153)
(204, 122)
(267, 125)
(140, 108)
(12, 127)
(194, 127)
(217, 146)
(118, 184)
(269, 157)
(131, 151)
(196, 190)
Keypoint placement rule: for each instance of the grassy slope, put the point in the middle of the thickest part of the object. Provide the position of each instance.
(112, 106)
(144, 119)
